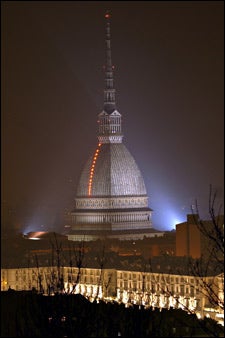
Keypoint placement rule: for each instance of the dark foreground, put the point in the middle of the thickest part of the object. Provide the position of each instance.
(26, 314)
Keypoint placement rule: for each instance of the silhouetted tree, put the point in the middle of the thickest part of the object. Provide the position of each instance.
(101, 262)
(211, 263)
(79, 261)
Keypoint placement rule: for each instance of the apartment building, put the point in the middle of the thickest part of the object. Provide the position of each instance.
(156, 290)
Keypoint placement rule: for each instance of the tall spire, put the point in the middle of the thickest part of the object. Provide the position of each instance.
(109, 91)
(109, 120)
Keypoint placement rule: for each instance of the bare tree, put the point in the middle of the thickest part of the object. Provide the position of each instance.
(101, 262)
(211, 262)
(39, 277)
(79, 259)
(57, 247)
(107, 283)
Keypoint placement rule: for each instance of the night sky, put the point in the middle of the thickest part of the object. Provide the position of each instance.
(169, 80)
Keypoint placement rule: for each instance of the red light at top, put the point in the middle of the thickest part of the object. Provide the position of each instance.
(107, 15)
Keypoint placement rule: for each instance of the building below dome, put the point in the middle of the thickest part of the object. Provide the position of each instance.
(122, 235)
(111, 199)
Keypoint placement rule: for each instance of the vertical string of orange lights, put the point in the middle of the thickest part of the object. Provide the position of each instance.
(92, 170)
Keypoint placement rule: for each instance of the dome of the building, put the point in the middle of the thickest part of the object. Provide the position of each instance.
(111, 171)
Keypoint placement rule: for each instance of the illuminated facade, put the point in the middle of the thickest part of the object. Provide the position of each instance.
(155, 290)
(111, 199)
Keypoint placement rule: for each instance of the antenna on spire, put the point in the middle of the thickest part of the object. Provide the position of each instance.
(107, 14)
(109, 92)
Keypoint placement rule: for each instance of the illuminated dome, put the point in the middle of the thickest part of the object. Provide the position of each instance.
(115, 173)
(111, 199)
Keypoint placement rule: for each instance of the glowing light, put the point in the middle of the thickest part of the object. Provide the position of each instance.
(34, 235)
(169, 214)
(107, 15)
(92, 169)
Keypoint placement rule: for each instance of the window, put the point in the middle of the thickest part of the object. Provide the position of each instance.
(182, 289)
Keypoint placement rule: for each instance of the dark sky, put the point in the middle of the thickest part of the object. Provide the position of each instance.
(169, 79)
